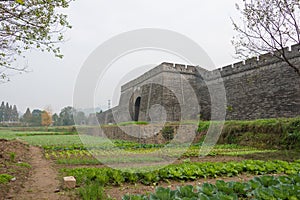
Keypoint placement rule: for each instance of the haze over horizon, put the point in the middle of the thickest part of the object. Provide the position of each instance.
(51, 80)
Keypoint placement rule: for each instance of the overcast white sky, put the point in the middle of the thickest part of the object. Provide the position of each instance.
(52, 80)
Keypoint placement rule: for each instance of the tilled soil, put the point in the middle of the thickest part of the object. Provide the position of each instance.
(38, 182)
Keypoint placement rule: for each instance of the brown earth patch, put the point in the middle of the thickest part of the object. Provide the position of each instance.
(13, 155)
(38, 182)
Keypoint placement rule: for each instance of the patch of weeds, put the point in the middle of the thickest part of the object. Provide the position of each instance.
(5, 178)
(12, 156)
(93, 192)
(292, 140)
(23, 164)
(12, 171)
(168, 133)
(188, 160)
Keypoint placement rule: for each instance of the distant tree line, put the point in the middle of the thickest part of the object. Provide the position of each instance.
(67, 117)
(37, 117)
(8, 113)
(46, 118)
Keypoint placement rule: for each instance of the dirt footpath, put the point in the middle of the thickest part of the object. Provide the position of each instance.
(40, 183)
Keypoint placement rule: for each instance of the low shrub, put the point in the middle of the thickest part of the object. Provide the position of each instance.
(168, 133)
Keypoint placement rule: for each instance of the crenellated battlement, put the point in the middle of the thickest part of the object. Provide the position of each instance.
(239, 67)
(163, 67)
(252, 63)
(235, 68)
(181, 68)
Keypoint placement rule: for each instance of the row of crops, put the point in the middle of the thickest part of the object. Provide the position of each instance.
(264, 187)
(170, 152)
(126, 152)
(183, 172)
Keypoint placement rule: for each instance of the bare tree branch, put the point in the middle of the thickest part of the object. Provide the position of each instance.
(268, 26)
(29, 24)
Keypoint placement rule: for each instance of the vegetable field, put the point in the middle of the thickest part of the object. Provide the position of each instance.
(118, 169)
(264, 187)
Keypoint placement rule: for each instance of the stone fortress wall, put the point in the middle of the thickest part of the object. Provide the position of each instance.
(263, 87)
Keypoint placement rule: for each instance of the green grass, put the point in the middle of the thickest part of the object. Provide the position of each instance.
(57, 140)
(7, 134)
(108, 160)
(281, 133)
(277, 125)
(23, 164)
(12, 156)
(93, 192)
(44, 133)
(82, 161)
(41, 128)
(132, 122)
(5, 178)
(39, 137)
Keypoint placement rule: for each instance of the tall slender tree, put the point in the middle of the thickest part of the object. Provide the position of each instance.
(10, 113)
(2, 111)
(27, 117)
(6, 112)
(14, 114)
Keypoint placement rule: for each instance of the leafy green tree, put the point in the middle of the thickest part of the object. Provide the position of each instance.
(36, 119)
(2, 110)
(6, 112)
(10, 113)
(14, 114)
(66, 116)
(268, 26)
(27, 117)
(27, 25)
(80, 117)
(56, 120)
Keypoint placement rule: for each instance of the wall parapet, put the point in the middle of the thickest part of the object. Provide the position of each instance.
(235, 68)
(253, 63)
(163, 67)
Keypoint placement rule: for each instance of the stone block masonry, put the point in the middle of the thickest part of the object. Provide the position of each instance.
(263, 87)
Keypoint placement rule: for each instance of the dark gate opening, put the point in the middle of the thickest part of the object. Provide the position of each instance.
(137, 109)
